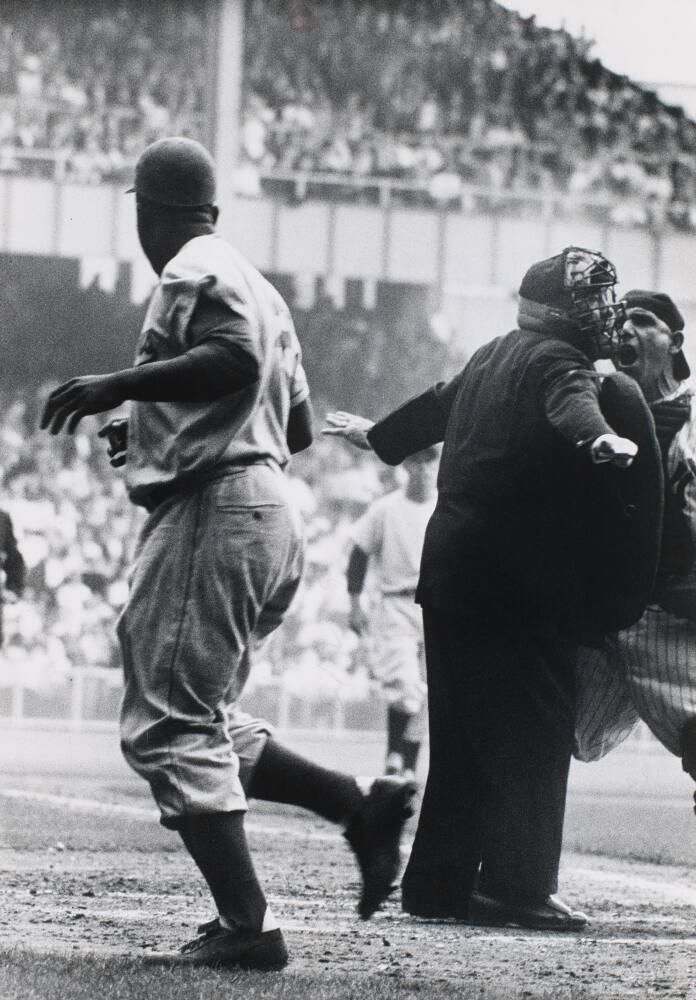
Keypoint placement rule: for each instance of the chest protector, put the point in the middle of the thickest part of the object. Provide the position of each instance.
(620, 515)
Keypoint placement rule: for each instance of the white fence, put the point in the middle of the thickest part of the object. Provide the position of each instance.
(86, 699)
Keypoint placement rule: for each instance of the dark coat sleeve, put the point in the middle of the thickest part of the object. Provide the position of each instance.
(416, 424)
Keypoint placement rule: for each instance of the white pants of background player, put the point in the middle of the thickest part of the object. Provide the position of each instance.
(215, 572)
(399, 661)
(647, 671)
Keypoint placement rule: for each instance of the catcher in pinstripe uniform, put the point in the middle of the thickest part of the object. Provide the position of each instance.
(648, 671)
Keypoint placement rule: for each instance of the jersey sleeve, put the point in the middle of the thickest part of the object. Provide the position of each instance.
(291, 355)
(193, 313)
(214, 320)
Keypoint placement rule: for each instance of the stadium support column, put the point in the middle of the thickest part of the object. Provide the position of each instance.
(226, 34)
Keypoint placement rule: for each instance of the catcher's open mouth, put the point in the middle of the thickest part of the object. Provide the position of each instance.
(625, 356)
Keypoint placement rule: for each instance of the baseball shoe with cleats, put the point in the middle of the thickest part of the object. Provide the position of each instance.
(374, 833)
(218, 947)
(549, 914)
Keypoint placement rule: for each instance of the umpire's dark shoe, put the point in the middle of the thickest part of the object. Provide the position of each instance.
(550, 914)
(374, 833)
(218, 947)
(687, 739)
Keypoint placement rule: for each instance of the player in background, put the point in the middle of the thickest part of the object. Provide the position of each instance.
(500, 580)
(11, 562)
(390, 535)
(219, 402)
(649, 669)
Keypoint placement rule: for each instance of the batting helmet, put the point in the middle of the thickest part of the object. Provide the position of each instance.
(177, 172)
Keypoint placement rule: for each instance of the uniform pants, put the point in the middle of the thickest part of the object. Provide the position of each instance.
(501, 717)
(647, 671)
(399, 660)
(215, 571)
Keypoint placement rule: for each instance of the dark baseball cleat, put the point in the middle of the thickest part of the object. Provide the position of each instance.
(549, 914)
(218, 947)
(374, 833)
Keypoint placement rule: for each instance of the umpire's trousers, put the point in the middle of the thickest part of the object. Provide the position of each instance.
(501, 717)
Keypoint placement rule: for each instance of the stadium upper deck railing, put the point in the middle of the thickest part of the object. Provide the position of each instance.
(298, 186)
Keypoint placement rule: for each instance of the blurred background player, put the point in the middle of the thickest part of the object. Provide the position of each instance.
(390, 535)
(219, 403)
(12, 563)
(648, 671)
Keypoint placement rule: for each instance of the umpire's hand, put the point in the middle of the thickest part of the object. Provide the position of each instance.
(78, 398)
(350, 427)
(612, 448)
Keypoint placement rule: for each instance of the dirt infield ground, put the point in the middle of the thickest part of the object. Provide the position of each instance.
(87, 871)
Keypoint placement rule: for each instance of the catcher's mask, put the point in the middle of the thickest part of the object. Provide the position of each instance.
(580, 283)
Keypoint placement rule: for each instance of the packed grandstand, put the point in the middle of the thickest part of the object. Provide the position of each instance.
(447, 97)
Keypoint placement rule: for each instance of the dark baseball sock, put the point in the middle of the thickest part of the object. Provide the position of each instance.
(217, 843)
(281, 775)
(396, 727)
(409, 754)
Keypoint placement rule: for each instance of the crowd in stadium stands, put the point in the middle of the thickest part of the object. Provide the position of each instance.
(92, 83)
(446, 97)
(76, 530)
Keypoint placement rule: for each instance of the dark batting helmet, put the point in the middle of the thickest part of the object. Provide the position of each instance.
(176, 172)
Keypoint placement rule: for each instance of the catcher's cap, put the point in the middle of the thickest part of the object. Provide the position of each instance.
(663, 307)
(176, 172)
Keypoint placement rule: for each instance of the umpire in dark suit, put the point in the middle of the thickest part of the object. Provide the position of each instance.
(11, 561)
(502, 598)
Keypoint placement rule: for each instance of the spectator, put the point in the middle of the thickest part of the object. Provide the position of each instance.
(12, 562)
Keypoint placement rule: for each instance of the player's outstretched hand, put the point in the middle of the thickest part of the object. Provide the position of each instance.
(116, 434)
(612, 448)
(78, 398)
(349, 426)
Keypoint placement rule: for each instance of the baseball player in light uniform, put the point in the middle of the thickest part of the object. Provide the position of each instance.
(390, 533)
(648, 671)
(219, 402)
(11, 563)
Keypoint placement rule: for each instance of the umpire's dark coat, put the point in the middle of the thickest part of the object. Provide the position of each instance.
(11, 560)
(499, 594)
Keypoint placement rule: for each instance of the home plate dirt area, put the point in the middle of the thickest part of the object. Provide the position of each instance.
(87, 870)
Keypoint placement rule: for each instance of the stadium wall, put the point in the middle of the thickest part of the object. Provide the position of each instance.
(472, 262)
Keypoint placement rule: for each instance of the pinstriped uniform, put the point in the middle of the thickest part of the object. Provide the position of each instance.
(647, 671)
